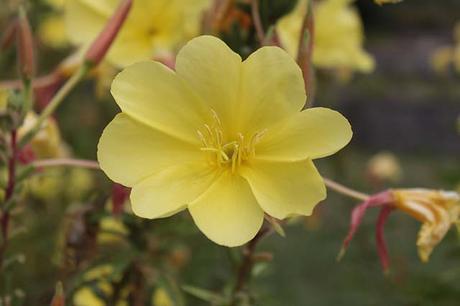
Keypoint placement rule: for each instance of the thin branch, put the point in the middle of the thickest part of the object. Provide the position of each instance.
(345, 190)
(58, 162)
(257, 21)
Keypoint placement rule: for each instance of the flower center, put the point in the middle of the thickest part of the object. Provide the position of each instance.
(222, 153)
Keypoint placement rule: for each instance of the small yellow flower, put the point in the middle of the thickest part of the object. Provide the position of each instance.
(47, 142)
(224, 138)
(153, 27)
(437, 210)
(339, 35)
(162, 298)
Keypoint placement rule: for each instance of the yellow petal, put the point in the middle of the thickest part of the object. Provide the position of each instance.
(152, 94)
(129, 151)
(169, 191)
(227, 213)
(272, 89)
(213, 70)
(314, 133)
(284, 189)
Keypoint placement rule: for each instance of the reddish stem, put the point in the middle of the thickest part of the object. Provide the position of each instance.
(5, 219)
(381, 245)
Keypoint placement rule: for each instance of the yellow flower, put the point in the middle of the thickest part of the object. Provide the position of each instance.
(52, 29)
(162, 298)
(437, 210)
(4, 94)
(339, 35)
(153, 27)
(224, 138)
(47, 142)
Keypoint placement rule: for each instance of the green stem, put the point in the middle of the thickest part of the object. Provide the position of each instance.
(55, 102)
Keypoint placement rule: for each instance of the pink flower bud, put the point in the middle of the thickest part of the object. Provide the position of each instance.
(101, 45)
(120, 194)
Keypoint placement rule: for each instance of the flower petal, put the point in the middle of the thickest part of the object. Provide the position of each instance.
(272, 89)
(129, 151)
(169, 191)
(152, 94)
(213, 70)
(227, 213)
(314, 133)
(283, 189)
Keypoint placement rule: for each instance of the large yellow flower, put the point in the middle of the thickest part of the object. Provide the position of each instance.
(153, 27)
(224, 138)
(339, 35)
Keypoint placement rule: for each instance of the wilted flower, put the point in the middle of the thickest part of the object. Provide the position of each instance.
(153, 27)
(224, 138)
(437, 210)
(339, 35)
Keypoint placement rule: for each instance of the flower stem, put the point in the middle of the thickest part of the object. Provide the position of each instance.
(55, 102)
(5, 215)
(247, 263)
(345, 190)
(257, 21)
(81, 163)
(305, 52)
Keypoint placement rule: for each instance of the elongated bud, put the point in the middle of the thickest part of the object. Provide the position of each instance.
(25, 47)
(101, 45)
(8, 35)
(58, 298)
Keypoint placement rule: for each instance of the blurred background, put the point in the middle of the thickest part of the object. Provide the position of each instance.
(405, 117)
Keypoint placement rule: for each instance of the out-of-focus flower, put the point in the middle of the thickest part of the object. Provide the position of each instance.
(437, 210)
(153, 27)
(47, 142)
(52, 29)
(4, 94)
(97, 282)
(162, 298)
(447, 56)
(224, 138)
(384, 166)
(111, 228)
(339, 35)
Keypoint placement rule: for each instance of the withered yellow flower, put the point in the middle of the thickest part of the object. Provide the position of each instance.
(339, 35)
(153, 27)
(437, 210)
(224, 138)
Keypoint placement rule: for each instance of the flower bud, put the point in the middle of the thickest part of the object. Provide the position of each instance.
(101, 45)
(25, 47)
(58, 298)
